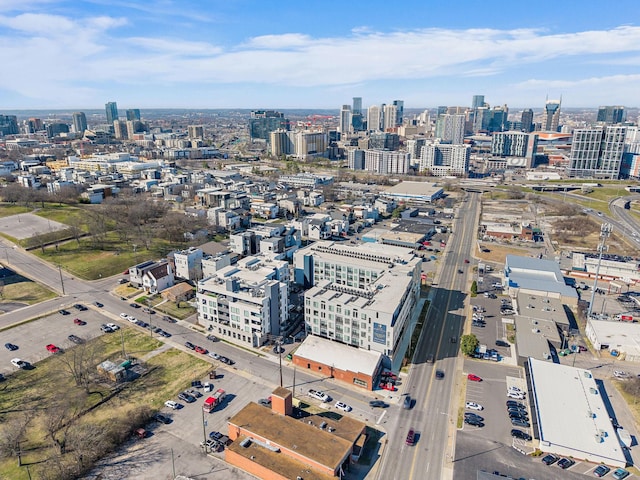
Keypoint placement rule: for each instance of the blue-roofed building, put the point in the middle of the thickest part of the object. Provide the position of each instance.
(531, 275)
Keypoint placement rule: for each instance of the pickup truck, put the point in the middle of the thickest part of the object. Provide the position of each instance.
(319, 395)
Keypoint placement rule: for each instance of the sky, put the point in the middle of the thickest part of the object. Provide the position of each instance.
(74, 54)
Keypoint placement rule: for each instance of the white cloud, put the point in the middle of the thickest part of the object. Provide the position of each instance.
(175, 46)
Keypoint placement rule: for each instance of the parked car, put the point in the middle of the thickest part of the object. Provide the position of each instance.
(519, 414)
(549, 459)
(51, 348)
(212, 338)
(343, 406)
(378, 404)
(406, 403)
(214, 355)
(148, 310)
(16, 362)
(186, 397)
(64, 312)
(620, 374)
(75, 339)
(439, 374)
(134, 305)
(319, 395)
(10, 346)
(113, 326)
(265, 402)
(601, 471)
(190, 345)
(98, 304)
(620, 473)
(77, 321)
(565, 463)
(226, 361)
(513, 403)
(473, 421)
(474, 406)
(411, 437)
(124, 315)
(474, 378)
(520, 434)
(502, 343)
(171, 404)
(473, 415)
(105, 328)
(158, 417)
(519, 422)
(80, 307)
(201, 350)
(517, 396)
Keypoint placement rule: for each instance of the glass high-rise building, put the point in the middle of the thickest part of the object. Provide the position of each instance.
(527, 120)
(552, 115)
(111, 108)
(263, 122)
(79, 122)
(611, 114)
(477, 102)
(133, 114)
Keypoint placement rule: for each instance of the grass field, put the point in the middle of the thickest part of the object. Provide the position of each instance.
(6, 210)
(24, 392)
(20, 289)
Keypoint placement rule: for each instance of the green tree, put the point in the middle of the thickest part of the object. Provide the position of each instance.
(474, 288)
(468, 344)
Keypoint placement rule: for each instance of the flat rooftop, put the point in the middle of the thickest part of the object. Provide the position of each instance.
(304, 437)
(414, 188)
(542, 306)
(572, 414)
(341, 356)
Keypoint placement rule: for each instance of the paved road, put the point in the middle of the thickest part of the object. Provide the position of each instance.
(433, 413)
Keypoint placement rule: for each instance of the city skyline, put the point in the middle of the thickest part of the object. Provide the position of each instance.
(244, 54)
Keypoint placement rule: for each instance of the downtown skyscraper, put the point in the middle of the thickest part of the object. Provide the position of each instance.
(111, 109)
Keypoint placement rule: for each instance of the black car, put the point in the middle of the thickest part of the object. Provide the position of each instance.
(265, 402)
(75, 339)
(520, 434)
(215, 435)
(473, 415)
(565, 463)
(519, 422)
(186, 397)
(378, 404)
(212, 338)
(158, 417)
(521, 415)
(10, 346)
(134, 305)
(63, 312)
(549, 459)
(80, 307)
(226, 360)
(98, 304)
(164, 334)
(513, 403)
(501, 343)
(106, 328)
(190, 345)
(439, 374)
(473, 421)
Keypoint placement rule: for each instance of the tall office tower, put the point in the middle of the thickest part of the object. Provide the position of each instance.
(357, 105)
(345, 119)
(442, 159)
(414, 149)
(112, 112)
(308, 144)
(55, 129)
(477, 101)
(611, 115)
(552, 115)
(133, 114)
(441, 110)
(34, 125)
(497, 119)
(527, 120)
(389, 115)
(120, 129)
(399, 104)
(8, 125)
(450, 128)
(596, 152)
(79, 122)
(374, 118)
(263, 122)
(424, 118)
(133, 127)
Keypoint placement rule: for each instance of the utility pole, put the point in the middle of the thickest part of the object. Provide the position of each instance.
(605, 231)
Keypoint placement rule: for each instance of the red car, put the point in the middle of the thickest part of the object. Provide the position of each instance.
(466, 260)
(77, 321)
(411, 437)
(474, 378)
(388, 386)
(52, 348)
(200, 350)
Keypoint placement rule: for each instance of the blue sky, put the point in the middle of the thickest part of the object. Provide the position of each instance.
(316, 54)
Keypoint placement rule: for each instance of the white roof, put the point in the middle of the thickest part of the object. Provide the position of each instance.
(338, 355)
(623, 336)
(571, 413)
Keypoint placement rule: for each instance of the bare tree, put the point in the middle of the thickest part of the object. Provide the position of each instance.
(80, 362)
(59, 416)
(12, 433)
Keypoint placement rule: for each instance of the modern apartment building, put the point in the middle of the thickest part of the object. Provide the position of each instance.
(374, 118)
(344, 125)
(384, 161)
(247, 302)
(360, 295)
(79, 122)
(450, 128)
(597, 152)
(111, 110)
(188, 264)
(515, 144)
(441, 159)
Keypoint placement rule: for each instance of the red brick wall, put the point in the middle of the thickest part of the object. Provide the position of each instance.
(328, 371)
(252, 467)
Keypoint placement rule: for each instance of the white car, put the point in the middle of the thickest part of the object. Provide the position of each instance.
(620, 374)
(132, 319)
(515, 390)
(16, 362)
(515, 395)
(125, 316)
(323, 397)
(113, 326)
(343, 406)
(171, 404)
(214, 355)
(474, 406)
